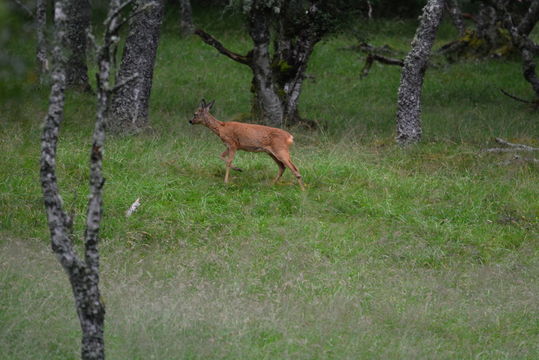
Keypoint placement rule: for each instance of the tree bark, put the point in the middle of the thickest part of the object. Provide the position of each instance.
(186, 18)
(83, 273)
(530, 19)
(409, 96)
(130, 103)
(291, 58)
(267, 106)
(456, 16)
(41, 29)
(487, 26)
(289, 66)
(78, 14)
(520, 36)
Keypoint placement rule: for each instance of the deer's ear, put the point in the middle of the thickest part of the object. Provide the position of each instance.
(202, 103)
(210, 105)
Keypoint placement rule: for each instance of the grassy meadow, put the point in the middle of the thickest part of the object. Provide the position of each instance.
(428, 252)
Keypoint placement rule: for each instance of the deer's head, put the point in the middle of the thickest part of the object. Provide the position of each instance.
(201, 114)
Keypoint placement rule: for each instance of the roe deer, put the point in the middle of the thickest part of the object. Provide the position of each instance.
(249, 137)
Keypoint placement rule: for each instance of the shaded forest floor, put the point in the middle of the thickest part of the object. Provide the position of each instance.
(426, 252)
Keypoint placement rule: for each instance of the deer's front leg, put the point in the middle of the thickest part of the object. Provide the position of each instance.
(231, 152)
(224, 157)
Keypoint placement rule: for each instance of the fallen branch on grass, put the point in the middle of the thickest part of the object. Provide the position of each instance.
(511, 147)
(368, 48)
(25, 9)
(381, 59)
(517, 158)
(383, 54)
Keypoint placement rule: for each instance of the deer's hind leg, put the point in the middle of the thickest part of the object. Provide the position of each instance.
(284, 157)
(282, 167)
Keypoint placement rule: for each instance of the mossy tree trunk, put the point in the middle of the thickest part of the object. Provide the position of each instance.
(409, 98)
(293, 48)
(267, 106)
(277, 77)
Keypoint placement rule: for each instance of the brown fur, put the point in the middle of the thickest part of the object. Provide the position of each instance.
(249, 137)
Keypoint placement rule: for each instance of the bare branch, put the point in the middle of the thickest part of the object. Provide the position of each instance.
(114, 13)
(381, 59)
(511, 147)
(210, 40)
(25, 8)
(133, 14)
(379, 50)
(516, 97)
(500, 150)
(124, 82)
(519, 35)
(518, 158)
(516, 146)
(91, 39)
(387, 60)
(376, 53)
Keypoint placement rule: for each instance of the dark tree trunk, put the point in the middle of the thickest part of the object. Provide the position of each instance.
(41, 29)
(78, 14)
(487, 26)
(130, 103)
(456, 16)
(409, 100)
(186, 18)
(528, 69)
(487, 38)
(520, 36)
(530, 19)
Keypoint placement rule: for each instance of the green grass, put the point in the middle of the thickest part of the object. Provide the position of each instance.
(429, 252)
